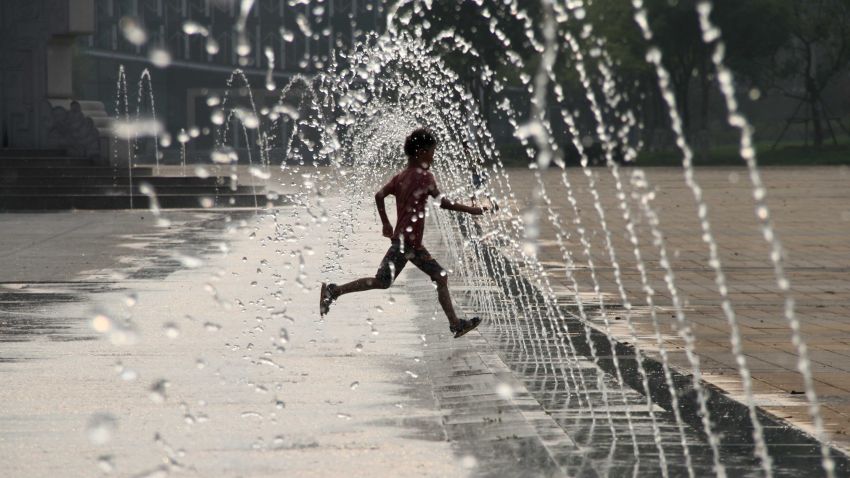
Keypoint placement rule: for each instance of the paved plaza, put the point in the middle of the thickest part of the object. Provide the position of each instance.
(811, 212)
(195, 347)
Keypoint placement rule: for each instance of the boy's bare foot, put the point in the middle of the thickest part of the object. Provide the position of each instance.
(465, 326)
(325, 298)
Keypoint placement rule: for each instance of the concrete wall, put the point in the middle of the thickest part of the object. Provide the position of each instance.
(37, 38)
(23, 63)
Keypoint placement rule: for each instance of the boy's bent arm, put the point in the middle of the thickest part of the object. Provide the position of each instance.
(382, 212)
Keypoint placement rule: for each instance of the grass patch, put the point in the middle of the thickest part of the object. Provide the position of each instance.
(783, 155)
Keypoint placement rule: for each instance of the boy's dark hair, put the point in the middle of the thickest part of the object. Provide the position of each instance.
(421, 139)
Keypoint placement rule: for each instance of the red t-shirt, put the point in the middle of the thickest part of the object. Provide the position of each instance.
(411, 188)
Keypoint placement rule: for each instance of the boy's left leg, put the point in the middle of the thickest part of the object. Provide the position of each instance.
(391, 266)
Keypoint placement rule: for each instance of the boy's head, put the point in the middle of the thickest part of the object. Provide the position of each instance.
(419, 147)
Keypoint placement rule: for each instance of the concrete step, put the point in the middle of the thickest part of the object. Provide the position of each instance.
(120, 190)
(29, 153)
(166, 201)
(37, 180)
(101, 122)
(70, 171)
(88, 106)
(47, 162)
(118, 180)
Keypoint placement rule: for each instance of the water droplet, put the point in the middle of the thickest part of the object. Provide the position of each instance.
(412, 375)
(279, 404)
(183, 137)
(212, 46)
(354, 385)
(105, 463)
(268, 361)
(505, 391)
(101, 427)
(171, 330)
(133, 30)
(194, 28)
(157, 391)
(160, 57)
(211, 327)
(358, 347)
(224, 155)
(344, 416)
(119, 333)
(101, 323)
(259, 173)
(217, 117)
(128, 375)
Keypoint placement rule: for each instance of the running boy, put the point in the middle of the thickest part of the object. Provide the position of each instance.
(411, 188)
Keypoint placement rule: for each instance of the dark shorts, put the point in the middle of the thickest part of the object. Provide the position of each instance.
(394, 261)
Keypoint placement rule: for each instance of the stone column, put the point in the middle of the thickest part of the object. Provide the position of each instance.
(38, 108)
(70, 123)
(69, 19)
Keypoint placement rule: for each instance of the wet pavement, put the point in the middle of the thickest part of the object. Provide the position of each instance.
(61, 258)
(201, 344)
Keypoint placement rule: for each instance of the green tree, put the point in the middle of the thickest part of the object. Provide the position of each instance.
(753, 31)
(817, 51)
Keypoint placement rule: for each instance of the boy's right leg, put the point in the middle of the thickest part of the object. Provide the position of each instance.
(427, 264)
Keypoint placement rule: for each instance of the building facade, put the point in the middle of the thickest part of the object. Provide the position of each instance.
(72, 50)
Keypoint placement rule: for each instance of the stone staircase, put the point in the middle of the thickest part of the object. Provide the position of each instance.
(32, 180)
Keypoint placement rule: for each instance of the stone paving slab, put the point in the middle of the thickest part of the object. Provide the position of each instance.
(812, 219)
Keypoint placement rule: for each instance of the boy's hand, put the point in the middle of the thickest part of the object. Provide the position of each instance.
(388, 231)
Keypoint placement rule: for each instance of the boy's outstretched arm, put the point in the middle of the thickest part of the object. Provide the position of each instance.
(382, 211)
(446, 203)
